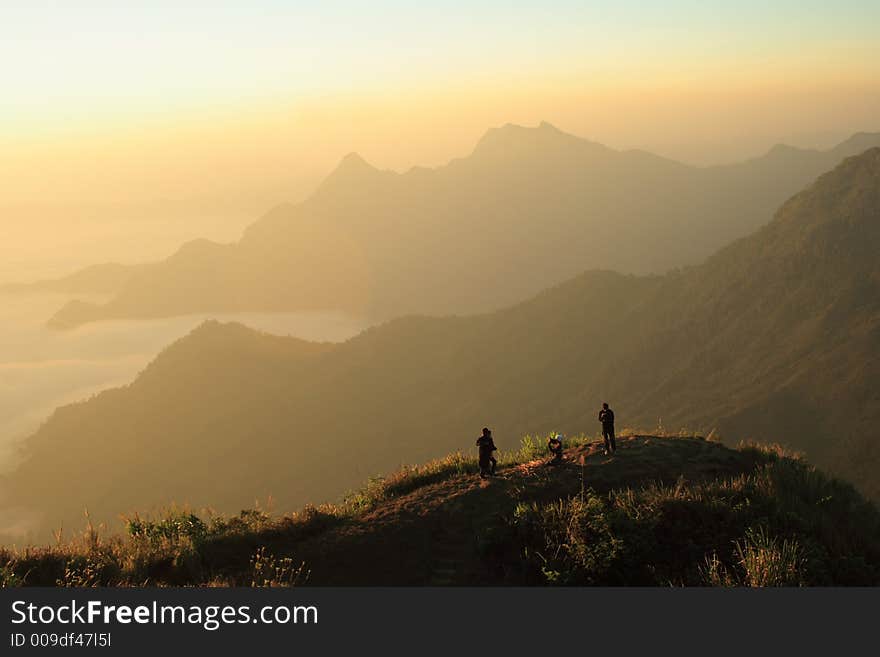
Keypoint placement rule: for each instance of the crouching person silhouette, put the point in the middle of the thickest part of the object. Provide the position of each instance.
(554, 446)
(487, 461)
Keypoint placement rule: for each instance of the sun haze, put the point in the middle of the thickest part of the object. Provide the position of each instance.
(269, 95)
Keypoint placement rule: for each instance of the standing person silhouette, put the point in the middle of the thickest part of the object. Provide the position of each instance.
(606, 417)
(487, 461)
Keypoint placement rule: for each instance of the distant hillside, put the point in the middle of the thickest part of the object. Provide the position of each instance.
(661, 511)
(776, 337)
(107, 278)
(530, 207)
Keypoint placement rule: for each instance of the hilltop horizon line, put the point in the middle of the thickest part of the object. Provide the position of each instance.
(355, 159)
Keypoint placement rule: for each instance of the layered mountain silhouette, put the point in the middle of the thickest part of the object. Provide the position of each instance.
(108, 278)
(529, 208)
(775, 337)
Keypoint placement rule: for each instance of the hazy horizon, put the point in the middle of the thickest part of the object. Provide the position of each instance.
(152, 229)
(109, 110)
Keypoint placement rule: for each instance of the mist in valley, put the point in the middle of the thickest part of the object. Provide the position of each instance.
(42, 369)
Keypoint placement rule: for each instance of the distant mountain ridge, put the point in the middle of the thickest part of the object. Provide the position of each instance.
(108, 278)
(776, 337)
(528, 208)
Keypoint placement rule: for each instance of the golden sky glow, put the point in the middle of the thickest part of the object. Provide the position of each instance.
(243, 105)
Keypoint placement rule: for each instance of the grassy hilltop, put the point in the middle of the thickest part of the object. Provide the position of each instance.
(664, 510)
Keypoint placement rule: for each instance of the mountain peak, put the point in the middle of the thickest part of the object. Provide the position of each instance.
(354, 162)
(861, 171)
(840, 205)
(351, 172)
(510, 137)
(513, 130)
(858, 143)
(544, 125)
(783, 150)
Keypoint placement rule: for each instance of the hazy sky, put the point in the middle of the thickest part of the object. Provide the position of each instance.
(251, 102)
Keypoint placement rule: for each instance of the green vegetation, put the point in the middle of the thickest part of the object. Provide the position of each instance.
(783, 524)
(267, 570)
(666, 511)
(411, 478)
(405, 480)
(176, 549)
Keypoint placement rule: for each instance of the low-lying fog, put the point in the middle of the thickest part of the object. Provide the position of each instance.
(41, 369)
